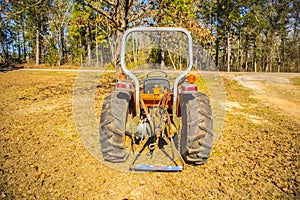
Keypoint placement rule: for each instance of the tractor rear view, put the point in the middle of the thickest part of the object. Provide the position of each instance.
(146, 116)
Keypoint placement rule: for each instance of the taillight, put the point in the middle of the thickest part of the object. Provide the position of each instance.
(189, 88)
(191, 78)
(122, 77)
(124, 86)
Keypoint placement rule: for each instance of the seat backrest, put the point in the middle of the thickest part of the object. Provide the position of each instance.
(150, 82)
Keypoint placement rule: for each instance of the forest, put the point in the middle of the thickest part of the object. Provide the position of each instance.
(241, 35)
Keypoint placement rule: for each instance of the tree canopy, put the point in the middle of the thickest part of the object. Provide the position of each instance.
(241, 35)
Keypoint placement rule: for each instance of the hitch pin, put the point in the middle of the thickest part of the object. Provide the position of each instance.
(152, 146)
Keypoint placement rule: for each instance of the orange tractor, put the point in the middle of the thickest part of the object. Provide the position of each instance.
(145, 116)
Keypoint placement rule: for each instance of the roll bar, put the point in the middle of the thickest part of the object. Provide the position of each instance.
(134, 78)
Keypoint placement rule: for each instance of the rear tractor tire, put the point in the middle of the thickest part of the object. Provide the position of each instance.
(197, 128)
(112, 126)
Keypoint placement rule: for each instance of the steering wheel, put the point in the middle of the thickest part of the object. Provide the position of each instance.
(156, 72)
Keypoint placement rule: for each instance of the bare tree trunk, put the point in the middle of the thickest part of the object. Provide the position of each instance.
(134, 47)
(267, 64)
(228, 51)
(241, 61)
(37, 43)
(239, 54)
(246, 62)
(279, 60)
(196, 59)
(255, 64)
(101, 57)
(266, 54)
(254, 56)
(88, 43)
(19, 46)
(24, 40)
(80, 49)
(62, 40)
(223, 60)
(174, 66)
(89, 51)
(162, 56)
(282, 61)
(217, 53)
(180, 56)
(97, 46)
(97, 52)
(217, 40)
(59, 49)
(117, 52)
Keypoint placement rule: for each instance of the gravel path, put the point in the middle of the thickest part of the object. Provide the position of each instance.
(274, 89)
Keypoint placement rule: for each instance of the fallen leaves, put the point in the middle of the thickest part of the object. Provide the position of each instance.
(42, 157)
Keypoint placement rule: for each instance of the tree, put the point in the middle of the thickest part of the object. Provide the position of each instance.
(242, 35)
(58, 20)
(118, 15)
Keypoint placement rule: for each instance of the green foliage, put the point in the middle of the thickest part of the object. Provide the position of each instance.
(155, 55)
(110, 66)
(245, 35)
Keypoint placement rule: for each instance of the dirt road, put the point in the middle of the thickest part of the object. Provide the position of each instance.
(275, 90)
(42, 157)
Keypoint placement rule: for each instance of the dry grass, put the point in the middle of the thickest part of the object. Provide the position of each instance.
(42, 156)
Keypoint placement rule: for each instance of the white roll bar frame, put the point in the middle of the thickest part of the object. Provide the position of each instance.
(134, 78)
